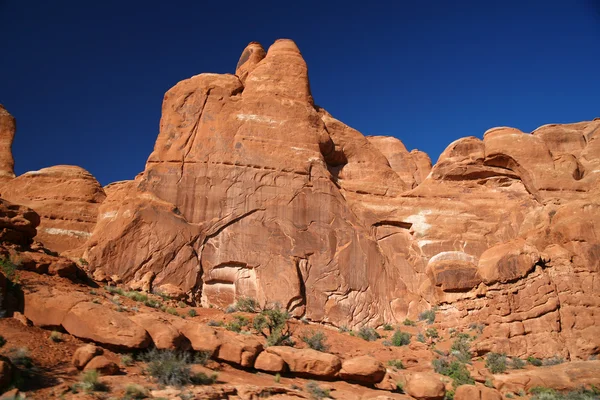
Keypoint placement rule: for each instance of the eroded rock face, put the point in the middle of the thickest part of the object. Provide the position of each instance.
(8, 127)
(66, 198)
(253, 191)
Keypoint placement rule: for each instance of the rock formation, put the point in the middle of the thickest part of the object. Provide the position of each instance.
(7, 134)
(254, 191)
(66, 198)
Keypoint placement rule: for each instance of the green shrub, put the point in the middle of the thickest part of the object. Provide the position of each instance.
(137, 296)
(237, 324)
(408, 322)
(449, 395)
(89, 383)
(202, 357)
(277, 378)
(554, 360)
(315, 391)
(114, 290)
(212, 322)
(368, 334)
(343, 329)
(9, 269)
(461, 348)
(172, 311)
(168, 367)
(136, 392)
(496, 363)
(399, 387)
(432, 333)
(127, 360)
(477, 327)
(192, 313)
(396, 364)
(517, 363)
(247, 304)
(456, 370)
(541, 393)
(56, 336)
(420, 337)
(201, 378)
(489, 383)
(536, 362)
(181, 304)
(400, 338)
(272, 323)
(315, 340)
(428, 315)
(388, 327)
(509, 395)
(152, 303)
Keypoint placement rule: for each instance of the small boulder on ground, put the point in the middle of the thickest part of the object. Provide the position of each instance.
(84, 354)
(364, 369)
(103, 365)
(425, 386)
(238, 349)
(308, 362)
(269, 362)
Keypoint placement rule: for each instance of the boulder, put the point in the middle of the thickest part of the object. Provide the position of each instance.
(84, 354)
(201, 336)
(237, 349)
(425, 386)
(103, 365)
(308, 362)
(65, 197)
(471, 392)
(363, 369)
(163, 334)
(47, 307)
(103, 325)
(269, 362)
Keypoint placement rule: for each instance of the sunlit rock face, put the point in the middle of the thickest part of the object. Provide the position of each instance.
(252, 190)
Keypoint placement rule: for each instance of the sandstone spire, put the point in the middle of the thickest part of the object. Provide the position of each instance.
(252, 55)
(7, 134)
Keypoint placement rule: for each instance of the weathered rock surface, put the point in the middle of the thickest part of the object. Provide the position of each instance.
(269, 362)
(254, 191)
(66, 198)
(8, 127)
(308, 362)
(102, 325)
(364, 369)
(425, 386)
(103, 365)
(471, 392)
(163, 334)
(84, 354)
(17, 223)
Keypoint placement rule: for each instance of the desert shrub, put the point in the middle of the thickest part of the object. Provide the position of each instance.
(9, 269)
(496, 363)
(396, 364)
(554, 360)
(172, 311)
(192, 313)
(181, 304)
(408, 322)
(461, 348)
(237, 324)
(89, 382)
(272, 323)
(201, 378)
(246, 304)
(201, 357)
(133, 391)
(168, 367)
(432, 333)
(20, 357)
(368, 334)
(127, 360)
(315, 340)
(456, 370)
(420, 337)
(399, 388)
(212, 322)
(489, 383)
(541, 393)
(315, 391)
(277, 378)
(428, 315)
(517, 363)
(509, 395)
(449, 395)
(2, 341)
(477, 327)
(137, 296)
(56, 336)
(388, 327)
(536, 362)
(114, 290)
(400, 338)
(152, 303)
(343, 329)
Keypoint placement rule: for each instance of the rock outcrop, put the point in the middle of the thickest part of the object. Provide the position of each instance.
(66, 198)
(254, 191)
(8, 127)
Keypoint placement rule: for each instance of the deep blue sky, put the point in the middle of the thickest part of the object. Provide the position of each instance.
(85, 79)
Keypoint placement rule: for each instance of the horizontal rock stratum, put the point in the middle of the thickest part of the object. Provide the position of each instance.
(254, 191)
